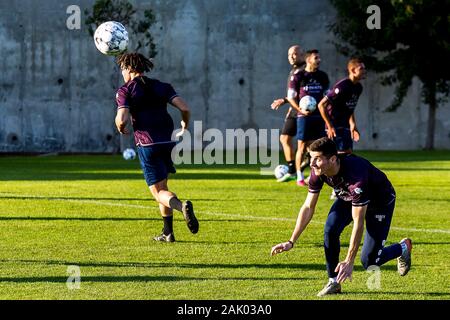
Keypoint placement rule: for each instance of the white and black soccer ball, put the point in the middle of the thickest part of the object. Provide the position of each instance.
(281, 170)
(129, 154)
(308, 103)
(111, 38)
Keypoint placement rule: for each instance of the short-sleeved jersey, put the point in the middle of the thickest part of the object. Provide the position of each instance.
(304, 83)
(295, 69)
(147, 101)
(343, 99)
(357, 181)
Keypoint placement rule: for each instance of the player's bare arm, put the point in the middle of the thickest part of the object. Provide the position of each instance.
(323, 105)
(122, 120)
(295, 106)
(345, 268)
(304, 217)
(353, 129)
(181, 105)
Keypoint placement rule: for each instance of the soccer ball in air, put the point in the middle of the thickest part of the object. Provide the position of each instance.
(281, 170)
(129, 154)
(308, 103)
(111, 38)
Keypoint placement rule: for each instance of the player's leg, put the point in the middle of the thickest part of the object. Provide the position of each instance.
(374, 253)
(339, 217)
(160, 192)
(343, 140)
(156, 164)
(288, 132)
(301, 153)
(186, 207)
(301, 149)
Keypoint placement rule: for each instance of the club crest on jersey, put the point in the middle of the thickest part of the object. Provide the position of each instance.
(358, 191)
(336, 90)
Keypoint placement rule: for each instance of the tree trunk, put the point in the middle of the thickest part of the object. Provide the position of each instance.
(432, 106)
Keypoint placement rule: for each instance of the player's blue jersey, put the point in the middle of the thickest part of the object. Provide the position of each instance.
(357, 181)
(343, 99)
(147, 101)
(304, 83)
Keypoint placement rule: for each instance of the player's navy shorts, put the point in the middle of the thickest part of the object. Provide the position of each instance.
(310, 128)
(343, 139)
(156, 162)
(289, 127)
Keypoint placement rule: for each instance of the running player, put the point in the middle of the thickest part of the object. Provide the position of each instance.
(144, 101)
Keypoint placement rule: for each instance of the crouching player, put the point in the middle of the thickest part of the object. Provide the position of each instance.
(363, 194)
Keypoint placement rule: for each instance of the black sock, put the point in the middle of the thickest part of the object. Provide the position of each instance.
(291, 166)
(176, 204)
(168, 225)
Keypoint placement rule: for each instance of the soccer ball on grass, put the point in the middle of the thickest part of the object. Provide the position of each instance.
(129, 154)
(280, 171)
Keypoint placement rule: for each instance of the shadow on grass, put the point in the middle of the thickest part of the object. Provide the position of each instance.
(12, 197)
(382, 292)
(142, 279)
(102, 264)
(148, 199)
(70, 176)
(115, 219)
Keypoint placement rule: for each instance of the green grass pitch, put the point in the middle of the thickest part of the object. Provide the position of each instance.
(95, 212)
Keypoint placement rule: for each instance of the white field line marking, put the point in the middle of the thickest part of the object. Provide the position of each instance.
(225, 215)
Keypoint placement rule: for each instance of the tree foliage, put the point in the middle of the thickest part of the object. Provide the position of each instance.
(414, 41)
(139, 23)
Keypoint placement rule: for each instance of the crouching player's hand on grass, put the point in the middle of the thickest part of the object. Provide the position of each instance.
(279, 248)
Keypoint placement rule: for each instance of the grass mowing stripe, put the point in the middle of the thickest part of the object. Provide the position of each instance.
(225, 215)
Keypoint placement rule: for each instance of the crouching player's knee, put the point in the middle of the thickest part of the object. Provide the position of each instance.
(368, 260)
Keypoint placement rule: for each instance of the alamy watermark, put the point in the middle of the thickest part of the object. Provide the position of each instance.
(234, 146)
(374, 280)
(73, 22)
(74, 280)
(374, 20)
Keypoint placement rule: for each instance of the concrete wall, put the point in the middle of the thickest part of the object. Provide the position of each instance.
(227, 58)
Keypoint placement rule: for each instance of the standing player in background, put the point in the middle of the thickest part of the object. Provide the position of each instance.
(338, 107)
(289, 130)
(144, 101)
(308, 82)
(364, 194)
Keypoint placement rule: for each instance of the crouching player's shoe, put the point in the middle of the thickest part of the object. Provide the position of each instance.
(189, 216)
(331, 287)
(301, 183)
(404, 261)
(165, 238)
(287, 177)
